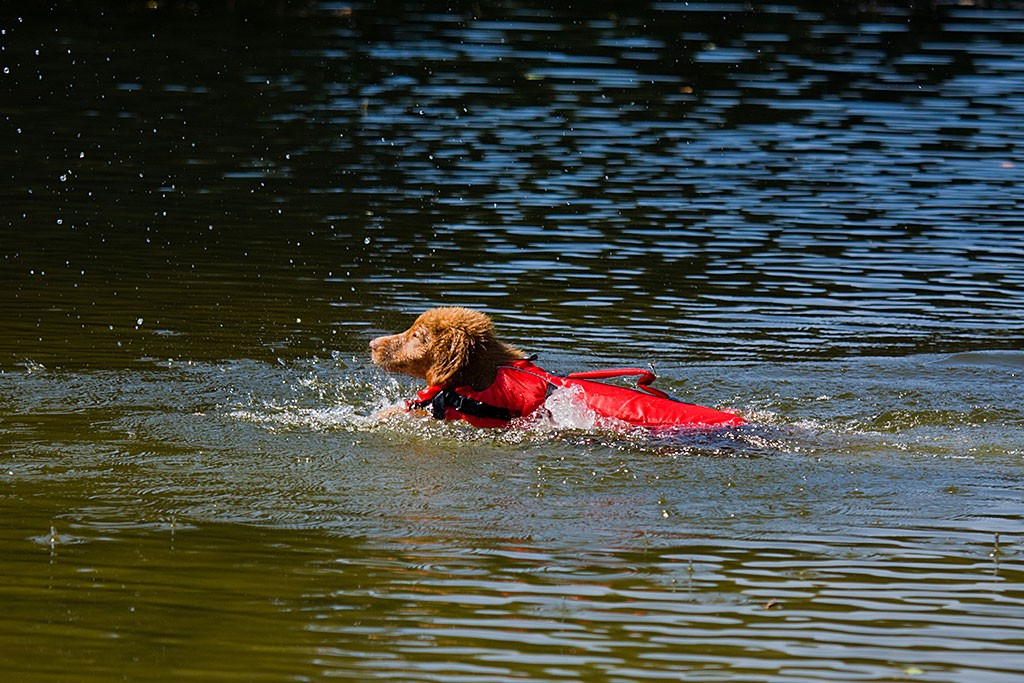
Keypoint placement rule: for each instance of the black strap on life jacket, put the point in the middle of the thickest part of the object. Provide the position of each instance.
(448, 398)
(465, 405)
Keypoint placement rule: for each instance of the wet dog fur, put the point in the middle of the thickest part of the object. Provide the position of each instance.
(448, 347)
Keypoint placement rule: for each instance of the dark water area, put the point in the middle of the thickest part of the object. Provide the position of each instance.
(810, 215)
(795, 183)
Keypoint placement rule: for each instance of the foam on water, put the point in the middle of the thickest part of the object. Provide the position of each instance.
(369, 402)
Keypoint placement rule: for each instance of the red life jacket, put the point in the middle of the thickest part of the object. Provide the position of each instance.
(521, 387)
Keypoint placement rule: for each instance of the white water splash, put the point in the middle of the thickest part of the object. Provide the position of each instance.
(321, 403)
(287, 418)
(565, 408)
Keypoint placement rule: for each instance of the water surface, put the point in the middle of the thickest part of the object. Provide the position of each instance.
(807, 215)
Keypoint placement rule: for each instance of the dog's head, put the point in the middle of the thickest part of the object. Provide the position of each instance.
(447, 347)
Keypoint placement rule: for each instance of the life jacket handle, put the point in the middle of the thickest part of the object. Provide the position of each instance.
(645, 378)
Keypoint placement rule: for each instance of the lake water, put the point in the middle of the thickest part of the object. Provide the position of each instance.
(810, 216)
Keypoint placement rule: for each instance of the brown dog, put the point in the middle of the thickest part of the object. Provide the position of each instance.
(474, 377)
(447, 347)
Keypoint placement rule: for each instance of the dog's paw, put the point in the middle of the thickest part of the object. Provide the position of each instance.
(392, 412)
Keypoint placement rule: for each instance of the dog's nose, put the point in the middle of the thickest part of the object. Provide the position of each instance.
(375, 343)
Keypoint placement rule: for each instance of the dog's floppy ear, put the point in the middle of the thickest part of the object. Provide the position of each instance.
(453, 351)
